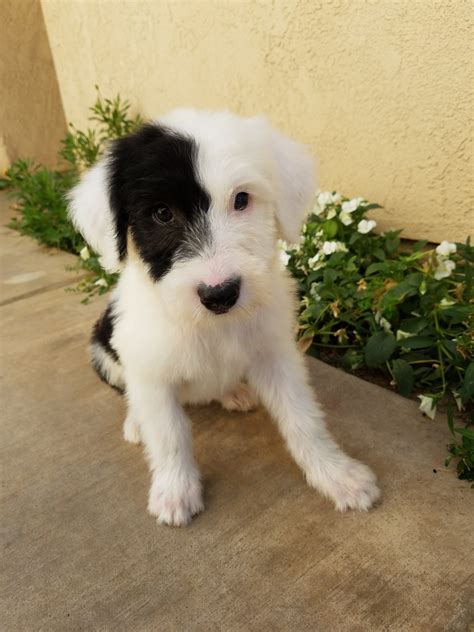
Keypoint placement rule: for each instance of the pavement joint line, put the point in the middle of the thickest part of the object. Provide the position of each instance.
(41, 290)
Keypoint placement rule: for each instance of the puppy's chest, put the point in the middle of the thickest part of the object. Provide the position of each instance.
(217, 357)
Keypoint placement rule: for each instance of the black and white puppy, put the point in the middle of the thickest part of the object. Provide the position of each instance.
(189, 209)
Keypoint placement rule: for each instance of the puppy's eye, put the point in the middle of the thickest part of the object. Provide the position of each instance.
(241, 201)
(162, 214)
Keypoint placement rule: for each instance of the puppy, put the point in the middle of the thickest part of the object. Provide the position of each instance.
(189, 209)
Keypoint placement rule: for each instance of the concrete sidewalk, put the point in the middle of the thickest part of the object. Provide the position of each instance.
(79, 551)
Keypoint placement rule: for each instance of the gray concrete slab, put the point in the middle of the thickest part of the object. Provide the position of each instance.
(79, 551)
(27, 267)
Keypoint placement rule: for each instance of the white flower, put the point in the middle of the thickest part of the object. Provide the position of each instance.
(446, 302)
(427, 406)
(366, 225)
(352, 205)
(323, 200)
(333, 246)
(315, 262)
(332, 213)
(314, 291)
(401, 335)
(282, 246)
(444, 268)
(346, 218)
(101, 283)
(329, 247)
(445, 249)
(284, 257)
(383, 322)
(85, 254)
(444, 265)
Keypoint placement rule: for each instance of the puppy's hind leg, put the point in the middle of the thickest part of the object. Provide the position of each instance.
(241, 398)
(104, 357)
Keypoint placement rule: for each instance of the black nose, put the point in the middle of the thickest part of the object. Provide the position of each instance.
(220, 298)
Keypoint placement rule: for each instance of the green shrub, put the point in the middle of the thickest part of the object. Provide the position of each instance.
(40, 193)
(378, 304)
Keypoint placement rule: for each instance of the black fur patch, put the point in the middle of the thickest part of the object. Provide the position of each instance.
(100, 372)
(103, 330)
(101, 335)
(157, 165)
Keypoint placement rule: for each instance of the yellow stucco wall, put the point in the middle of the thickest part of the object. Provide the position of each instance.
(32, 120)
(382, 90)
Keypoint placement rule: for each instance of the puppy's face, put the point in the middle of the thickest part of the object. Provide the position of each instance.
(200, 197)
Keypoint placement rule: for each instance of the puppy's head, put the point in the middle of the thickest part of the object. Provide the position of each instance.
(201, 198)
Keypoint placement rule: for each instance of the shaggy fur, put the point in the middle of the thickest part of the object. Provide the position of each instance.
(189, 209)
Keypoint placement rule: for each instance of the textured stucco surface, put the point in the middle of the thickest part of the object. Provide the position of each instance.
(382, 90)
(32, 119)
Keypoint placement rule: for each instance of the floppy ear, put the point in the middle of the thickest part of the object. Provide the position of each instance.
(297, 183)
(91, 214)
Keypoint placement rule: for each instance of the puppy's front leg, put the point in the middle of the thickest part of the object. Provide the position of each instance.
(175, 493)
(280, 380)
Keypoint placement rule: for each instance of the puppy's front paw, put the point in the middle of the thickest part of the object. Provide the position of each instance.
(241, 398)
(175, 503)
(352, 486)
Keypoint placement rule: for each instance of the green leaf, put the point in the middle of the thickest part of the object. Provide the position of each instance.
(330, 228)
(464, 432)
(459, 313)
(417, 342)
(401, 291)
(467, 389)
(330, 275)
(414, 279)
(414, 325)
(379, 348)
(377, 267)
(354, 238)
(352, 360)
(419, 245)
(404, 376)
(391, 244)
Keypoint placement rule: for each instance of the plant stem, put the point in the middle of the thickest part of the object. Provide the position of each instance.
(321, 344)
(439, 346)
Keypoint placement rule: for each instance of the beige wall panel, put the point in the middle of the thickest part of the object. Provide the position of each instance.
(381, 90)
(32, 120)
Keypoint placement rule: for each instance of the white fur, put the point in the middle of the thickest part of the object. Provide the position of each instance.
(113, 371)
(90, 212)
(173, 351)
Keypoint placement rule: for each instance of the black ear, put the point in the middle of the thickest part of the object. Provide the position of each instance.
(100, 204)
